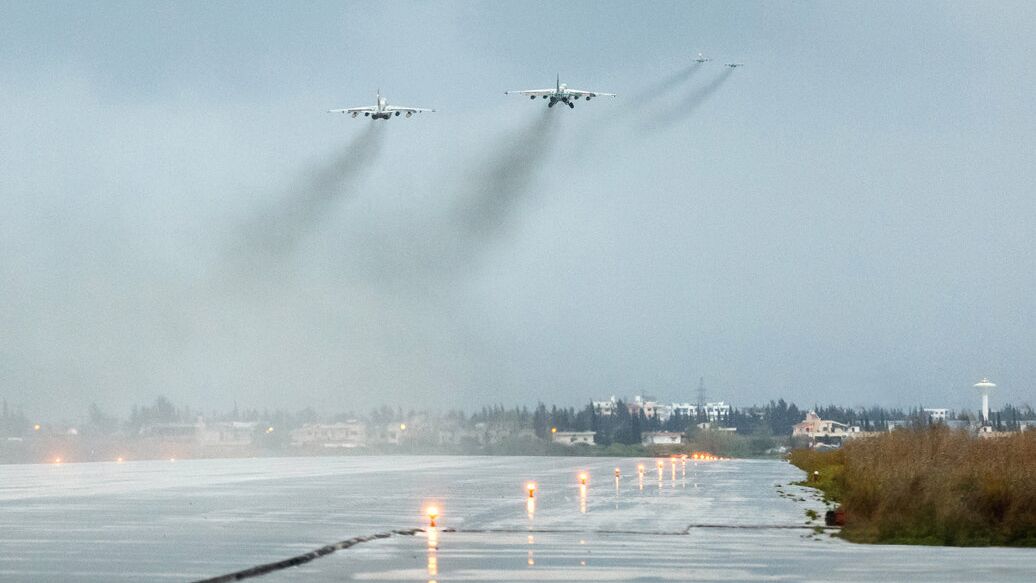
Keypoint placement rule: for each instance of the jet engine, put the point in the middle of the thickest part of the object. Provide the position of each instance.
(534, 97)
(588, 97)
(409, 113)
(366, 114)
(397, 114)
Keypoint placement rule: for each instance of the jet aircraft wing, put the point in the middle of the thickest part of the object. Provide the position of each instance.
(407, 109)
(582, 93)
(371, 109)
(533, 92)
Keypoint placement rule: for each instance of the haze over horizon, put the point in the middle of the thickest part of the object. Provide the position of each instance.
(846, 219)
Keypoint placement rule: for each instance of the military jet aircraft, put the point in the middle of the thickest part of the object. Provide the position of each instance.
(702, 59)
(381, 110)
(561, 92)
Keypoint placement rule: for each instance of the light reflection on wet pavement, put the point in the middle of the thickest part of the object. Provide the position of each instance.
(721, 521)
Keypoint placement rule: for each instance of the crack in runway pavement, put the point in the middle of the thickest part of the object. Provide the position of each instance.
(297, 560)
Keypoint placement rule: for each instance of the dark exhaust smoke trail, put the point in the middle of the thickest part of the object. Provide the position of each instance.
(688, 105)
(273, 234)
(306, 202)
(487, 201)
(446, 243)
(656, 91)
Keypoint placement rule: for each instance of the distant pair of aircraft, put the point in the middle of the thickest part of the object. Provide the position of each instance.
(703, 59)
(560, 93)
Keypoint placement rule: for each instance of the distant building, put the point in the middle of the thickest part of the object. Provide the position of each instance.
(170, 432)
(894, 424)
(937, 415)
(717, 412)
(661, 438)
(226, 434)
(709, 426)
(574, 437)
(349, 434)
(684, 410)
(814, 427)
(649, 407)
(605, 408)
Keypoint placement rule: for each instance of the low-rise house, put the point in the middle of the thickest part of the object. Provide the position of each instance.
(661, 438)
(574, 437)
(710, 426)
(814, 428)
(348, 434)
(170, 432)
(226, 434)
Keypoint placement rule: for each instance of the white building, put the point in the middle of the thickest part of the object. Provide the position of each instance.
(650, 408)
(605, 407)
(574, 437)
(227, 434)
(717, 412)
(684, 410)
(937, 415)
(814, 427)
(661, 438)
(349, 434)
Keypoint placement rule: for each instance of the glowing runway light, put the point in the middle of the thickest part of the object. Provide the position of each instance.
(582, 478)
(531, 487)
(433, 515)
(57, 460)
(119, 460)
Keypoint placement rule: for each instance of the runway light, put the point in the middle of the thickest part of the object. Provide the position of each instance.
(402, 426)
(119, 460)
(618, 473)
(582, 478)
(269, 429)
(531, 487)
(553, 429)
(640, 469)
(172, 459)
(433, 515)
(57, 460)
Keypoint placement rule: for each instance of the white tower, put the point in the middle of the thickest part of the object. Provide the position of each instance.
(984, 386)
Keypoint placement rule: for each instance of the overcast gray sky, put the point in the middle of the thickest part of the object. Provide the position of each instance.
(848, 218)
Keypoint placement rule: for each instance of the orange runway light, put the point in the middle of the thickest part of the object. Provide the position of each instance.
(582, 478)
(531, 487)
(618, 473)
(433, 515)
(36, 427)
(119, 460)
(640, 469)
(57, 460)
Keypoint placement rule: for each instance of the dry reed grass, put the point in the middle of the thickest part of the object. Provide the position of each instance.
(932, 486)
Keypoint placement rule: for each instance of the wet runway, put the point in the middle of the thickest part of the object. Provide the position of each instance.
(185, 520)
